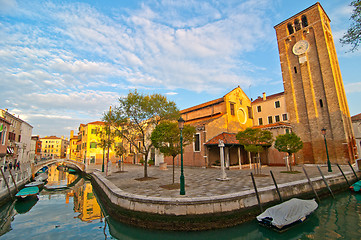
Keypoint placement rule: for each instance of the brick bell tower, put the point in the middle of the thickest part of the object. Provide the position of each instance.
(314, 89)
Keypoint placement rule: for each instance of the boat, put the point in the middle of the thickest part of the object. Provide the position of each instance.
(55, 187)
(356, 187)
(38, 184)
(287, 214)
(27, 191)
(41, 177)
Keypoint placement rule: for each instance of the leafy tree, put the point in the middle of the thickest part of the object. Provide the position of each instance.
(255, 140)
(166, 138)
(353, 35)
(137, 115)
(289, 143)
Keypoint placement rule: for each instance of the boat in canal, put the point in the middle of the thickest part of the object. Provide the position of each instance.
(42, 177)
(38, 184)
(287, 214)
(55, 187)
(27, 192)
(356, 187)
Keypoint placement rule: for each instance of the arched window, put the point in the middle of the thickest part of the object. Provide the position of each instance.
(297, 25)
(304, 21)
(290, 28)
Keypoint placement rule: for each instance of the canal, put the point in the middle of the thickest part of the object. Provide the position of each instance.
(74, 213)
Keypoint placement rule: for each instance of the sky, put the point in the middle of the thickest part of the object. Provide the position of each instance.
(63, 63)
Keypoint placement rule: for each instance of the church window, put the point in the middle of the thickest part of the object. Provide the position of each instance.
(297, 25)
(304, 21)
(290, 28)
(295, 69)
(197, 142)
(232, 108)
(321, 103)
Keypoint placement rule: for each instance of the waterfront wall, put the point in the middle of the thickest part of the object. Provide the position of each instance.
(200, 213)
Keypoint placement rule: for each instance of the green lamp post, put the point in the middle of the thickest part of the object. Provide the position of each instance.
(181, 126)
(323, 131)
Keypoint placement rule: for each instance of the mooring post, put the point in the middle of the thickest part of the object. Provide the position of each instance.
(278, 191)
(6, 182)
(353, 170)
(16, 187)
(343, 174)
(309, 181)
(324, 180)
(255, 188)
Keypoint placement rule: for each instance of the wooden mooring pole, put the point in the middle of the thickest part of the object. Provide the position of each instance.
(309, 181)
(6, 182)
(278, 191)
(12, 177)
(343, 174)
(353, 170)
(324, 180)
(255, 188)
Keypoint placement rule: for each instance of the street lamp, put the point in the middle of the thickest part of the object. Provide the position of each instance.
(323, 131)
(181, 126)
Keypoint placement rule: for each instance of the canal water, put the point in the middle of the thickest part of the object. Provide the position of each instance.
(74, 213)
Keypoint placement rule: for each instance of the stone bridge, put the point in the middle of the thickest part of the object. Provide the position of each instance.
(36, 167)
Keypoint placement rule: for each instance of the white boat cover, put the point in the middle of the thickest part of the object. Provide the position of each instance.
(288, 212)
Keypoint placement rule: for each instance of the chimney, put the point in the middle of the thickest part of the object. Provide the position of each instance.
(264, 96)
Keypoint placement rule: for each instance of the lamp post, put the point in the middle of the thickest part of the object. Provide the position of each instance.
(323, 131)
(181, 126)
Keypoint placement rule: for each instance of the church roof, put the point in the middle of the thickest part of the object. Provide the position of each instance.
(227, 138)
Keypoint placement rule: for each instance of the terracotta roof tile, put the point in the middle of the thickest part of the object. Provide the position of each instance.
(227, 138)
(260, 99)
(356, 117)
(274, 125)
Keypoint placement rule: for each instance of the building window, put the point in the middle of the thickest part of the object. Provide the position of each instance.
(94, 131)
(295, 69)
(260, 121)
(321, 103)
(304, 21)
(287, 130)
(270, 120)
(232, 109)
(290, 28)
(284, 117)
(277, 104)
(259, 108)
(197, 142)
(277, 118)
(297, 25)
(250, 115)
(93, 145)
(92, 159)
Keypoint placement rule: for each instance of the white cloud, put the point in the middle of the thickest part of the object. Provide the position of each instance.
(353, 87)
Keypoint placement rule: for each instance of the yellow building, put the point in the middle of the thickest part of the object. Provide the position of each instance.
(89, 149)
(72, 148)
(86, 204)
(53, 147)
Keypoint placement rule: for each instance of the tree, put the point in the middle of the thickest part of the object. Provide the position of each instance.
(106, 140)
(120, 151)
(353, 35)
(137, 115)
(289, 143)
(255, 140)
(166, 138)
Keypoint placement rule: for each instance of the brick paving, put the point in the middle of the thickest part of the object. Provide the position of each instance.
(202, 182)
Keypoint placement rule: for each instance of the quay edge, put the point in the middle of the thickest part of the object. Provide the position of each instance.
(204, 213)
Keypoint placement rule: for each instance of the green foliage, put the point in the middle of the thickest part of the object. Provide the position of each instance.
(353, 35)
(255, 139)
(137, 114)
(289, 143)
(166, 137)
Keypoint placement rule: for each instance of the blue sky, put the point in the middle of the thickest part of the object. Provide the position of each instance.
(63, 63)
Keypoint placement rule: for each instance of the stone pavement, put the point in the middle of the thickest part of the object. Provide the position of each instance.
(202, 182)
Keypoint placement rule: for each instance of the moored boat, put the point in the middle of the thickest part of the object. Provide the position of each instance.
(27, 191)
(356, 187)
(55, 187)
(287, 214)
(38, 184)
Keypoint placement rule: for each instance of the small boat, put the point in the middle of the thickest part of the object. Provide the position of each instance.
(284, 215)
(27, 191)
(38, 184)
(55, 187)
(22, 207)
(41, 177)
(356, 187)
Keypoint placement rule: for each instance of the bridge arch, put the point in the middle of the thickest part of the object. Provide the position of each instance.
(40, 165)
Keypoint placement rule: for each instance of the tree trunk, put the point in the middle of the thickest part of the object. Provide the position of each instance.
(146, 164)
(173, 170)
(290, 161)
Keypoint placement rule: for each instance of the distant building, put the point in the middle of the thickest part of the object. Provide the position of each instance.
(4, 142)
(35, 152)
(72, 148)
(53, 147)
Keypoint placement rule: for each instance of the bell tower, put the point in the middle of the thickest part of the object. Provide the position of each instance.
(314, 90)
